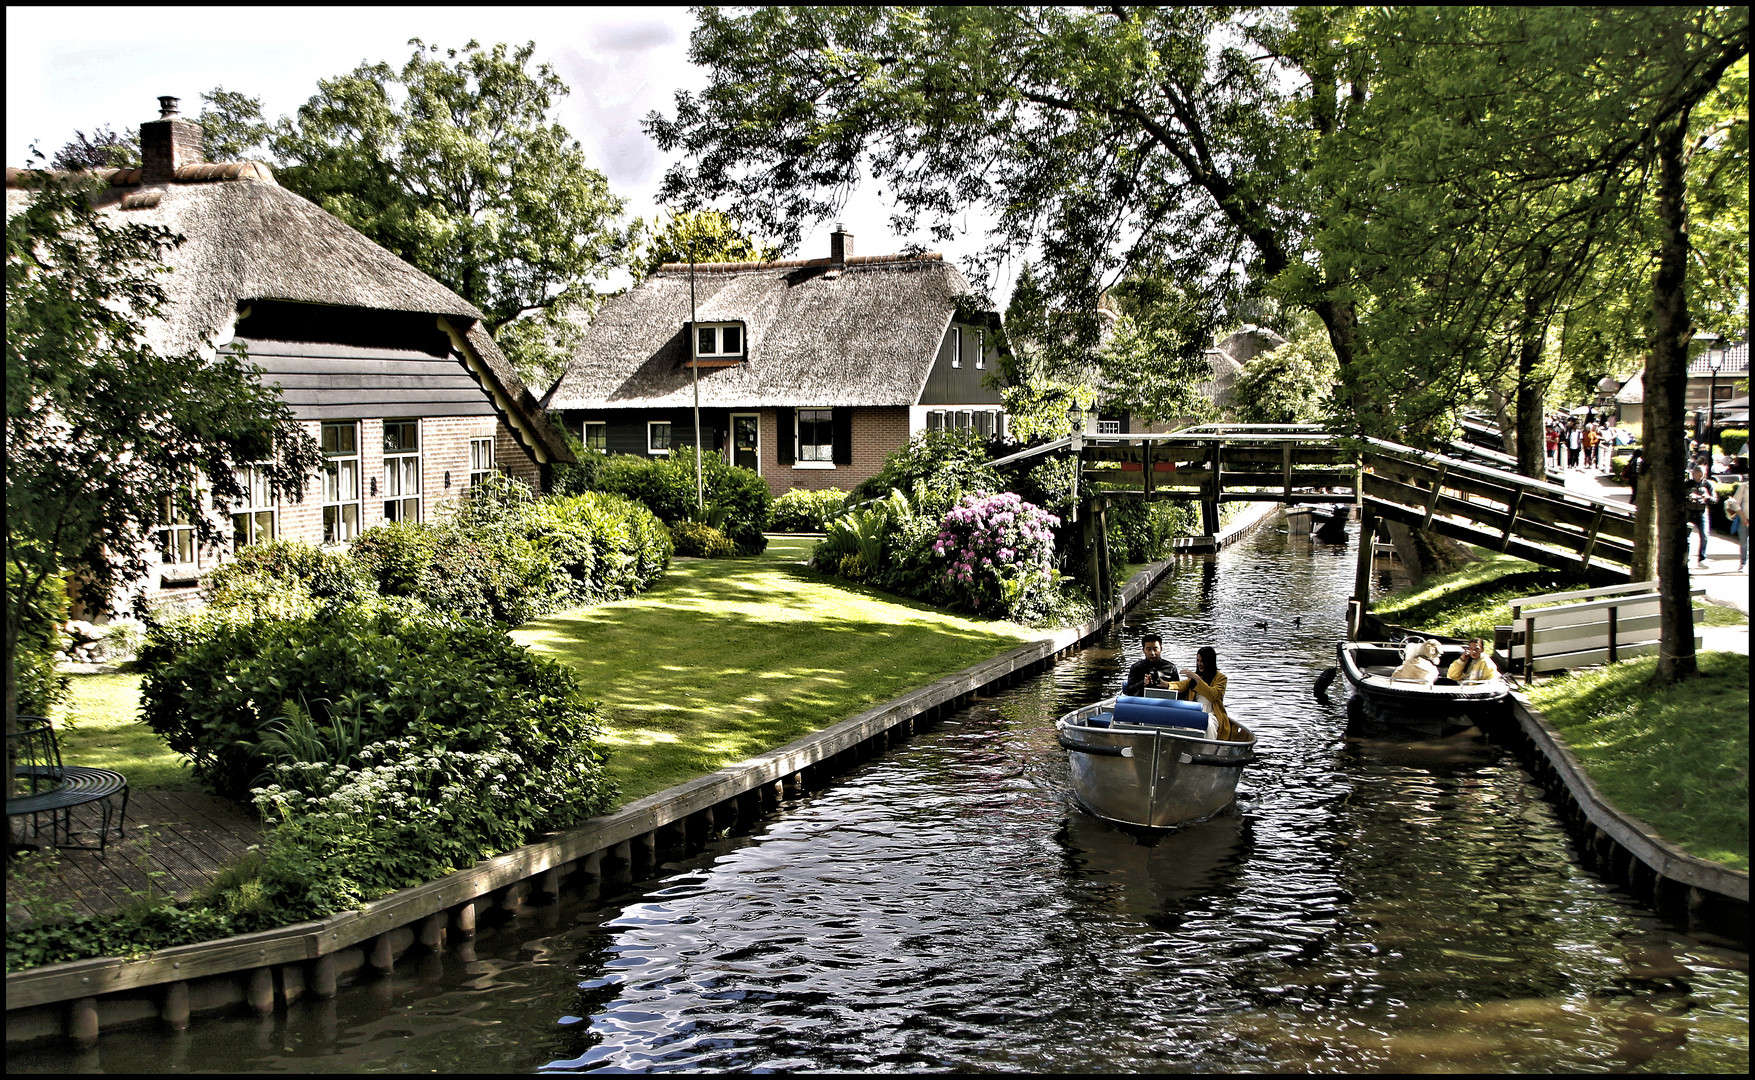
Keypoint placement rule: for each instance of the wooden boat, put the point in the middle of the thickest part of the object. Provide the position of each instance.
(1369, 669)
(1150, 761)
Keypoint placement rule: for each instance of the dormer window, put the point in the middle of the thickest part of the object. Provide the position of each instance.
(719, 342)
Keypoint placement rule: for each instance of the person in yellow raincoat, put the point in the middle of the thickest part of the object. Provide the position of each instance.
(1207, 682)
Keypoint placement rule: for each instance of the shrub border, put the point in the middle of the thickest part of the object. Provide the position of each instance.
(271, 969)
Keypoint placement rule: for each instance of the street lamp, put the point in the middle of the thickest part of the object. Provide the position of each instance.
(1715, 359)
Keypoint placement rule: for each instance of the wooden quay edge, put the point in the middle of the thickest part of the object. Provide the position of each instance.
(308, 941)
(1639, 839)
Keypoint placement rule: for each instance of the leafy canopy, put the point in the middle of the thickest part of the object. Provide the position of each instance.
(702, 236)
(455, 164)
(106, 435)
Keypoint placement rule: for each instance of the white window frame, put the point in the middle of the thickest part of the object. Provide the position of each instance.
(341, 483)
(585, 434)
(651, 438)
(176, 530)
(956, 346)
(1108, 427)
(719, 351)
(828, 449)
(481, 459)
(402, 467)
(980, 349)
(259, 511)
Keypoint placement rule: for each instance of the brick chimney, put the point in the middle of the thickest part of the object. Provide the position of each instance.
(167, 144)
(840, 244)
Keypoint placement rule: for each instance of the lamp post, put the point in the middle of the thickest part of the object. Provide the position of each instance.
(1715, 359)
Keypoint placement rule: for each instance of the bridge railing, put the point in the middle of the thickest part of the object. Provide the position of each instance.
(1495, 509)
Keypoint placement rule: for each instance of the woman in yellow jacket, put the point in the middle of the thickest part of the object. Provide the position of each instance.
(1208, 682)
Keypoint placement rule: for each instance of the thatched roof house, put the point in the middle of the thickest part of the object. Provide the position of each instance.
(392, 370)
(809, 370)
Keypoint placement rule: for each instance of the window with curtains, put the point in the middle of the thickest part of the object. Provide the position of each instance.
(816, 435)
(253, 519)
(401, 470)
(341, 481)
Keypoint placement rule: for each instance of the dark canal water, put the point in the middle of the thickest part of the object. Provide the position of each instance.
(1371, 905)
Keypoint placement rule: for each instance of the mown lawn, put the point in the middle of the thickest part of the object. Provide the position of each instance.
(723, 659)
(1677, 758)
(727, 658)
(98, 726)
(1472, 600)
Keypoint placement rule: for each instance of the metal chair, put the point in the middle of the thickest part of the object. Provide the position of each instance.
(43, 785)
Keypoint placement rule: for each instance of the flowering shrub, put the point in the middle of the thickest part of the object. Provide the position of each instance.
(999, 554)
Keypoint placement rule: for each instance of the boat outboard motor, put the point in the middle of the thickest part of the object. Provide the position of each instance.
(1333, 529)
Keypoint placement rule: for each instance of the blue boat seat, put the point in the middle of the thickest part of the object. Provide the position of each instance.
(1159, 712)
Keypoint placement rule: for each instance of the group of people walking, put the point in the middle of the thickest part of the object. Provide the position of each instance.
(1580, 443)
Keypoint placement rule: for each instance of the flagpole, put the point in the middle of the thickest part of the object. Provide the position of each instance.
(695, 371)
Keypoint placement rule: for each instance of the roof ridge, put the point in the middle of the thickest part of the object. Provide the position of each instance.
(789, 264)
(197, 173)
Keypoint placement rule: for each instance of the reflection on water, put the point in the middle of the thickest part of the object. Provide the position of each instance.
(1370, 904)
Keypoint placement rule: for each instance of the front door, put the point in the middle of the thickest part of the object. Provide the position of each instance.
(746, 441)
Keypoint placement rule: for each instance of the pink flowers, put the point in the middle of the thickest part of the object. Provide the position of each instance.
(994, 545)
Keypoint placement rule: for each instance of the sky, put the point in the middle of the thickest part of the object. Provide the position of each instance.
(82, 68)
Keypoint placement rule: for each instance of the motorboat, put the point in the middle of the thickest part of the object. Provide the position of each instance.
(1152, 761)
(1369, 668)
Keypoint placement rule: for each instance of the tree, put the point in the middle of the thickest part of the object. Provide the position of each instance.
(455, 164)
(232, 128)
(1122, 142)
(104, 149)
(104, 433)
(700, 236)
(1293, 384)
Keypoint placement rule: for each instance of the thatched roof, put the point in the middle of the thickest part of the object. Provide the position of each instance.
(247, 238)
(861, 332)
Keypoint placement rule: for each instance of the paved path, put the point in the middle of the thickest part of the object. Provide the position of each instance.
(1720, 577)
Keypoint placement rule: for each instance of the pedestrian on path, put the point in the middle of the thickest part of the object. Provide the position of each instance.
(1574, 444)
(1737, 506)
(1700, 496)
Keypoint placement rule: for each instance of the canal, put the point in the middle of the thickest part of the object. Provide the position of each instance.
(1371, 904)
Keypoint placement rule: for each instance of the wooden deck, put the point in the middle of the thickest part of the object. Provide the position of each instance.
(173, 842)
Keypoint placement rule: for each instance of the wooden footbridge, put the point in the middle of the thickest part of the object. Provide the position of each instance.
(1471, 499)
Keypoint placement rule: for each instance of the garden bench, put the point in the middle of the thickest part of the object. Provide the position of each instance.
(41, 784)
(1602, 626)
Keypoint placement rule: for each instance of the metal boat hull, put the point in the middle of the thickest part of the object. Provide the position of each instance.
(1151, 777)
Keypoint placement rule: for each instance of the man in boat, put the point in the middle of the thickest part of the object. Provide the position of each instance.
(1154, 670)
(1474, 665)
(1207, 682)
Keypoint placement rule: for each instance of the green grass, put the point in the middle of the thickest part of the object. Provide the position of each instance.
(1471, 600)
(1677, 758)
(727, 658)
(98, 727)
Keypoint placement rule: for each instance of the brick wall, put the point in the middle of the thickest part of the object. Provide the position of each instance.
(877, 433)
(444, 448)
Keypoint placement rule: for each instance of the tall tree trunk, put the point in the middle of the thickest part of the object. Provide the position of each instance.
(1666, 380)
(1532, 443)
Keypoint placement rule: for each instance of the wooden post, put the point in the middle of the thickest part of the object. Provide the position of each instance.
(1362, 571)
(1613, 652)
(1093, 571)
(1105, 577)
(1210, 507)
